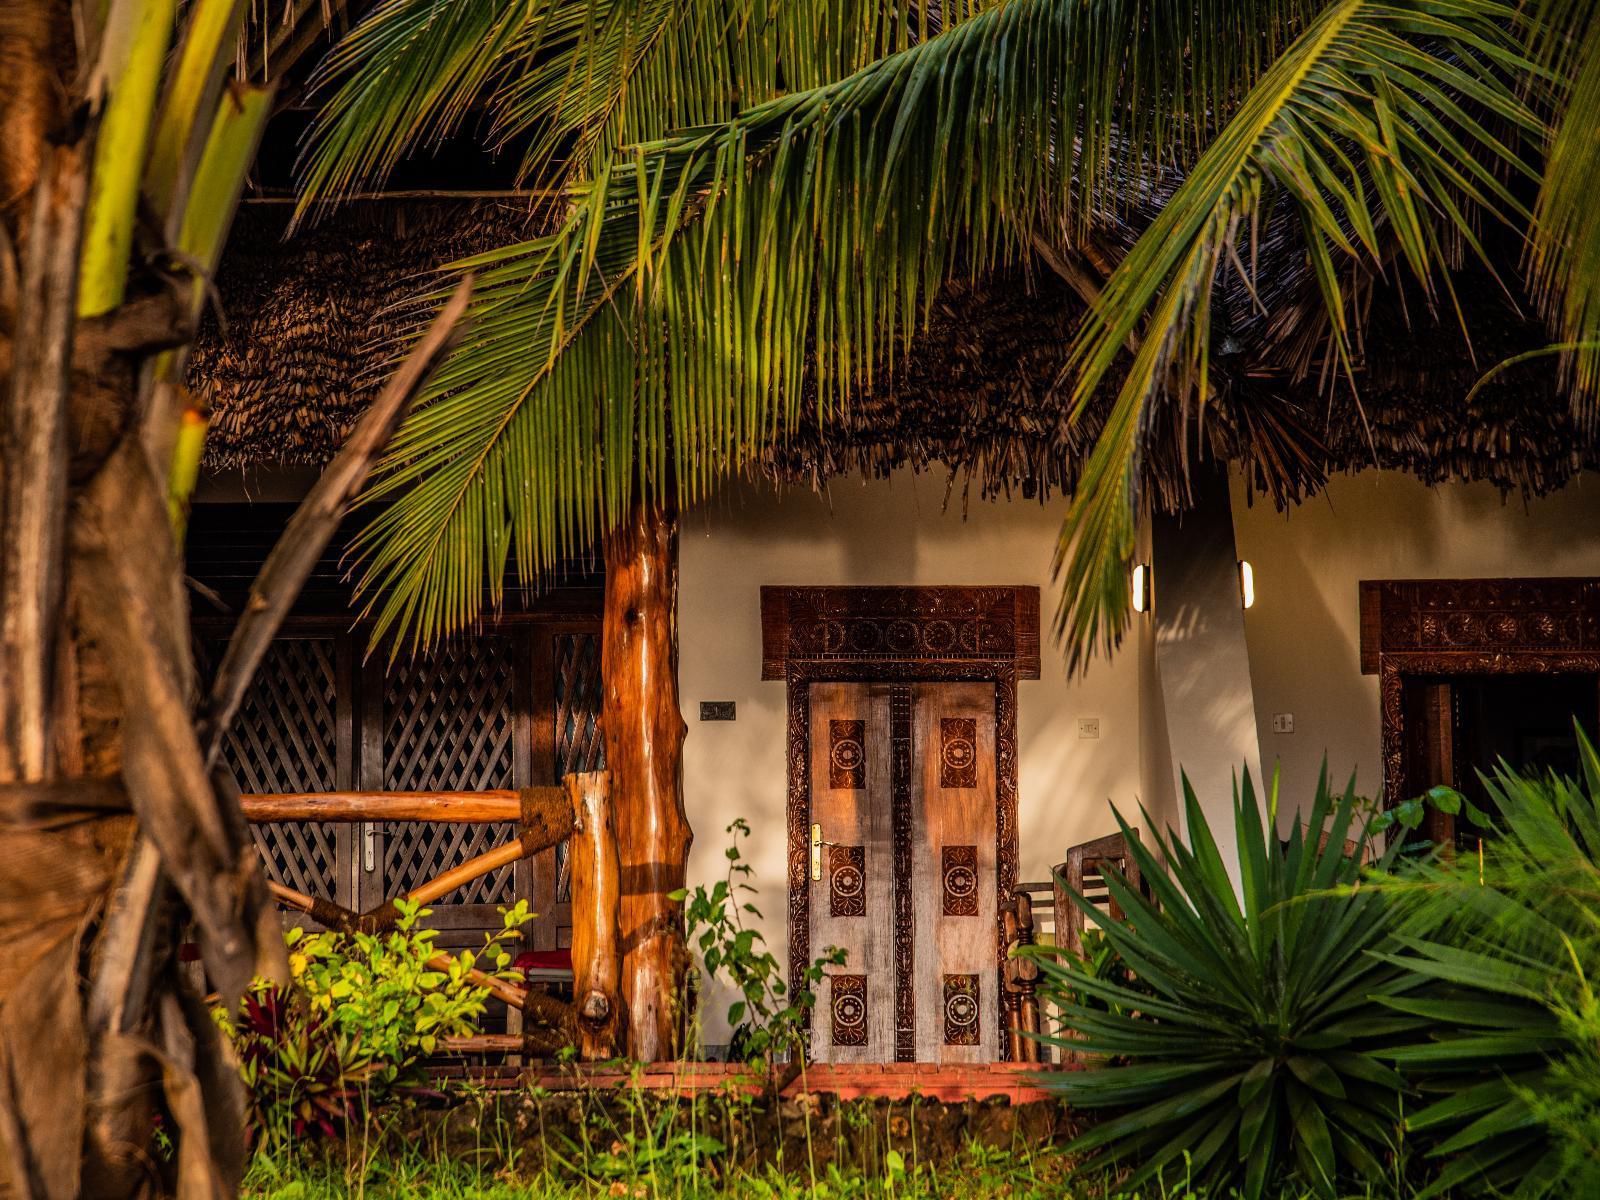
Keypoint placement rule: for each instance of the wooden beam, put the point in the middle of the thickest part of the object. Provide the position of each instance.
(596, 898)
(644, 733)
(467, 808)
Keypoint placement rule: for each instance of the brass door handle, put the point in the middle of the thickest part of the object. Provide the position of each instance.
(817, 843)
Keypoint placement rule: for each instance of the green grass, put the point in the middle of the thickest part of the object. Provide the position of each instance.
(420, 1176)
(657, 1160)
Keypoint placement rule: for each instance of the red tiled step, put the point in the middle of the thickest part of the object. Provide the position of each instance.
(1016, 1082)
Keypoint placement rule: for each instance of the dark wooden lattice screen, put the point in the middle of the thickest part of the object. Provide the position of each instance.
(286, 739)
(449, 721)
(512, 705)
(507, 708)
(578, 742)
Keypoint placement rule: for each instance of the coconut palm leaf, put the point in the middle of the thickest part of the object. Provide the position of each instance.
(1566, 245)
(1381, 116)
(572, 80)
(706, 282)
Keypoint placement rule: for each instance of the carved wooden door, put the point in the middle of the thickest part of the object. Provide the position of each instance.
(903, 871)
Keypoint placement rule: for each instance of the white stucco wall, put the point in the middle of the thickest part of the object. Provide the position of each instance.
(888, 532)
(1304, 630)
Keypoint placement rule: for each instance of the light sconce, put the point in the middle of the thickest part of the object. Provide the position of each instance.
(1141, 587)
(1247, 584)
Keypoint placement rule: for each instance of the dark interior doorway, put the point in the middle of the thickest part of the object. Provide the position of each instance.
(1461, 726)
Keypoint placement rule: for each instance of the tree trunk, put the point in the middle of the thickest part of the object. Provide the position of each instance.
(644, 754)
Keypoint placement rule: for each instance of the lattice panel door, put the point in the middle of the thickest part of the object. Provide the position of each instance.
(579, 745)
(449, 723)
(285, 739)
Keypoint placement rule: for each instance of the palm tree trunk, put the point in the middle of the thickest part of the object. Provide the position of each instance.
(644, 733)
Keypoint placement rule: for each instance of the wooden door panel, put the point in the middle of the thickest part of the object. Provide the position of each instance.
(954, 871)
(851, 903)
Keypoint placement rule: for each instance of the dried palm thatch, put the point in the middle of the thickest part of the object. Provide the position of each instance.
(977, 393)
(306, 325)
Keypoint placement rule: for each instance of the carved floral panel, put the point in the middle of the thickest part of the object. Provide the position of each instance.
(847, 756)
(849, 1009)
(961, 1005)
(958, 752)
(847, 881)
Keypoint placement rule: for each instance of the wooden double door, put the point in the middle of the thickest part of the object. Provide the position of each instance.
(903, 871)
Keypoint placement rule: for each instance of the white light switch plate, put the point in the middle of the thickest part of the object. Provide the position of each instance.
(1282, 722)
(1088, 727)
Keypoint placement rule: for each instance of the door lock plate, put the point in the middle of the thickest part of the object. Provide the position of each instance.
(816, 853)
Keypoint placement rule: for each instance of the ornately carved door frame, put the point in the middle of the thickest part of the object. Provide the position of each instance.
(898, 635)
(1443, 627)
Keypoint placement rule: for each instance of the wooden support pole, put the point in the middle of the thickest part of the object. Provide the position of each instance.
(1021, 979)
(596, 938)
(644, 755)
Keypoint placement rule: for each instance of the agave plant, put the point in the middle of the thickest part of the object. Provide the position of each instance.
(1246, 1051)
(1504, 945)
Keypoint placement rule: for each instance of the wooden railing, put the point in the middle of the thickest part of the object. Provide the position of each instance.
(544, 816)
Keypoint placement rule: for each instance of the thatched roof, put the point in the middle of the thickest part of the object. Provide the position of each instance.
(303, 353)
(301, 345)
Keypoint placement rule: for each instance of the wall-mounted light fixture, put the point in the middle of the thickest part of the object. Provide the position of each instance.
(1141, 587)
(1247, 584)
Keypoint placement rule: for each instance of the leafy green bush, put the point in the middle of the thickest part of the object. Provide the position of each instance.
(1246, 1052)
(1505, 944)
(768, 1023)
(353, 1028)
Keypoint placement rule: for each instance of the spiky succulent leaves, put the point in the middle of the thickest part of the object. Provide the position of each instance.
(1504, 950)
(711, 289)
(1247, 1049)
(1383, 126)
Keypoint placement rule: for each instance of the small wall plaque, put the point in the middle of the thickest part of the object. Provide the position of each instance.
(718, 710)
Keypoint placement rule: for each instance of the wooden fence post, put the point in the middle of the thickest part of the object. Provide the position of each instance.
(644, 756)
(596, 939)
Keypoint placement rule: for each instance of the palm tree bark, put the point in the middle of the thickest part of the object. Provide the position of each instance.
(644, 733)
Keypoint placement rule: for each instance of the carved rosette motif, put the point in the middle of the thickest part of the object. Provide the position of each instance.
(959, 871)
(958, 752)
(847, 1005)
(847, 757)
(847, 881)
(961, 1010)
(905, 994)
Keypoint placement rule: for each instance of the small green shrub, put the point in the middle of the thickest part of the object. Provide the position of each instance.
(768, 1022)
(353, 1028)
(1246, 1052)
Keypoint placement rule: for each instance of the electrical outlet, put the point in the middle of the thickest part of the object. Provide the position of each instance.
(718, 710)
(1282, 722)
(1088, 727)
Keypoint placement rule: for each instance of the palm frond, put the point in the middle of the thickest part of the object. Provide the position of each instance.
(707, 282)
(408, 75)
(570, 81)
(1381, 116)
(1566, 246)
